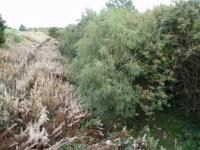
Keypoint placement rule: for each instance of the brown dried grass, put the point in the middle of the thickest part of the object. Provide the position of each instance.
(38, 108)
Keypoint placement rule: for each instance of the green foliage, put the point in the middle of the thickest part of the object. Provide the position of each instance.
(73, 33)
(103, 88)
(55, 32)
(179, 34)
(126, 64)
(110, 64)
(14, 36)
(71, 36)
(143, 141)
(175, 125)
(127, 4)
(22, 28)
(2, 29)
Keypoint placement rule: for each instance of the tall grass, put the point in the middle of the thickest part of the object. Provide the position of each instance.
(37, 108)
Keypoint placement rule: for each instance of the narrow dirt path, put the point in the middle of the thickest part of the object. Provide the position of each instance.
(40, 109)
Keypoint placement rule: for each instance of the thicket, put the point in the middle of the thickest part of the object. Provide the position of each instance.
(126, 4)
(2, 29)
(55, 32)
(127, 64)
(22, 28)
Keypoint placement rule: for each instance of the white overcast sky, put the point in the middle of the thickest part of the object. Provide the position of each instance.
(46, 13)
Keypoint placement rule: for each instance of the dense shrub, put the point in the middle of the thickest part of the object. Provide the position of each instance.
(40, 29)
(22, 28)
(110, 67)
(73, 33)
(125, 63)
(188, 71)
(55, 32)
(71, 36)
(180, 35)
(2, 29)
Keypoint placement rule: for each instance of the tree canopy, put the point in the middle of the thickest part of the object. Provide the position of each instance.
(127, 64)
(127, 4)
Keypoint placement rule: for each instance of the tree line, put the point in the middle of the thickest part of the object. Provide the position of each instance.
(127, 64)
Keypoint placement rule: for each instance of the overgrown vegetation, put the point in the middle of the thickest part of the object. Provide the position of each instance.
(55, 32)
(2, 29)
(22, 28)
(135, 81)
(127, 65)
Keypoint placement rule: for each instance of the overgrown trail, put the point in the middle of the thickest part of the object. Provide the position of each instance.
(39, 109)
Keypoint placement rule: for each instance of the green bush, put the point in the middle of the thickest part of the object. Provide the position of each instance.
(179, 31)
(71, 36)
(2, 29)
(54, 32)
(125, 63)
(73, 33)
(114, 73)
(22, 28)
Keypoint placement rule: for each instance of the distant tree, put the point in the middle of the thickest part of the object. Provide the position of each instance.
(87, 16)
(2, 29)
(22, 28)
(127, 4)
(54, 32)
(73, 33)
